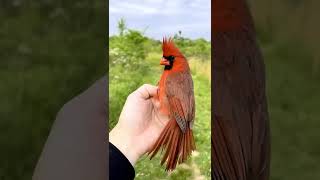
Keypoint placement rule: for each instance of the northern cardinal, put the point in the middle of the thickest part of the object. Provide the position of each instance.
(240, 129)
(176, 98)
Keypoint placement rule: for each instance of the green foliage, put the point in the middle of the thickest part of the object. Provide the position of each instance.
(199, 48)
(49, 53)
(126, 68)
(293, 97)
(134, 60)
(290, 39)
(122, 26)
(151, 169)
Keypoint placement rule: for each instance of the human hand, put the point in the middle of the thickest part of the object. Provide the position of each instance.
(140, 123)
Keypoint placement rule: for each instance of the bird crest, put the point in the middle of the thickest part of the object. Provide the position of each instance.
(169, 48)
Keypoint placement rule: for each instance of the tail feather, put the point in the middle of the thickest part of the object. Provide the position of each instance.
(178, 145)
(160, 141)
(168, 146)
(182, 150)
(172, 151)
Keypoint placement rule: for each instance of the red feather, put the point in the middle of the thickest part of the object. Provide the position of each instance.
(240, 139)
(177, 101)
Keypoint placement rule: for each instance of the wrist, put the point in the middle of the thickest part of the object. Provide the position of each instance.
(125, 143)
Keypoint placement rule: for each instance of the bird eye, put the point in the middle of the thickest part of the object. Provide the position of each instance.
(171, 58)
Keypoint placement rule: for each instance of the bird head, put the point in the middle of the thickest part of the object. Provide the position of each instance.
(172, 57)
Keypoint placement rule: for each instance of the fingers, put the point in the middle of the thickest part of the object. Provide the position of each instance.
(155, 102)
(146, 91)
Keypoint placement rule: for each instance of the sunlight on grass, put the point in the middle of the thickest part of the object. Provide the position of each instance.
(135, 60)
(201, 67)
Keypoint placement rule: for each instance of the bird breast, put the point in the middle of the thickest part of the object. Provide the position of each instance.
(164, 104)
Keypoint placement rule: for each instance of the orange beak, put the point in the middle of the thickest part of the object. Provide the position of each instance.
(165, 62)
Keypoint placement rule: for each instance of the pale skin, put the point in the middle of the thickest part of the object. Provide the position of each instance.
(140, 123)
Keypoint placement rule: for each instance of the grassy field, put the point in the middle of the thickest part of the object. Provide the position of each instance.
(49, 53)
(289, 36)
(293, 95)
(125, 80)
(199, 165)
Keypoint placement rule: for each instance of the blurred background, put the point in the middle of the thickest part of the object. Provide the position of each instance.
(134, 57)
(289, 34)
(50, 51)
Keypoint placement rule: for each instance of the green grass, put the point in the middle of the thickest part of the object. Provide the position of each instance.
(146, 169)
(45, 61)
(293, 95)
(128, 79)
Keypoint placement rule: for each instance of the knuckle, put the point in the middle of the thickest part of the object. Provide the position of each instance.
(145, 86)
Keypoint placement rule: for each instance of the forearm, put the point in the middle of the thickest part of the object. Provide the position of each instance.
(76, 147)
(125, 143)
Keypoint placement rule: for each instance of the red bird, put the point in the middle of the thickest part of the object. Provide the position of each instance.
(240, 138)
(177, 101)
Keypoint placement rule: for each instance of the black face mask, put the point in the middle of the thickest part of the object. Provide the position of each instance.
(171, 60)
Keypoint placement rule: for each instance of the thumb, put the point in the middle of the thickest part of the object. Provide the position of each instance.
(147, 91)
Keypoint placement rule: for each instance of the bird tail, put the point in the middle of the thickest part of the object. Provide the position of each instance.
(178, 145)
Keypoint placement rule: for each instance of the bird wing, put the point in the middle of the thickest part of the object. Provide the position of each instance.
(240, 127)
(180, 95)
